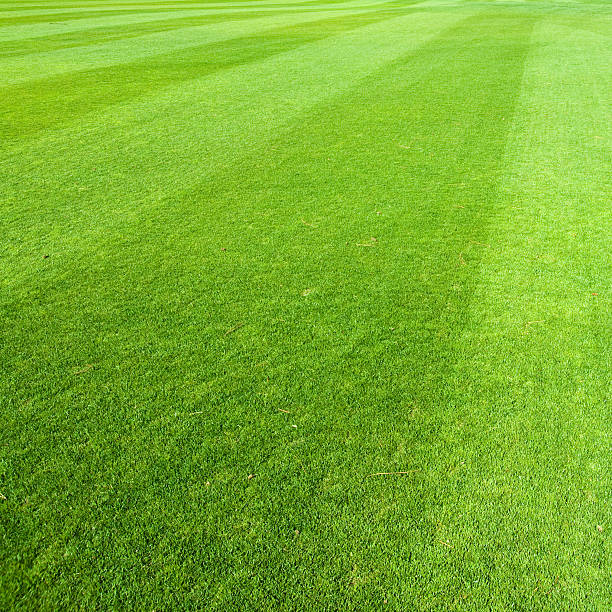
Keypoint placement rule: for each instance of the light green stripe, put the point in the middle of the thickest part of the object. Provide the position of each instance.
(553, 245)
(539, 320)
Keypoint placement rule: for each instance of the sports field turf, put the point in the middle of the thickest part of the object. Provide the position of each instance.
(305, 305)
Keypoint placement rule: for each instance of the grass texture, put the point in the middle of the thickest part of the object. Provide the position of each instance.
(305, 305)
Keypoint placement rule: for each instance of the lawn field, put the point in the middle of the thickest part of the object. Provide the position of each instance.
(305, 305)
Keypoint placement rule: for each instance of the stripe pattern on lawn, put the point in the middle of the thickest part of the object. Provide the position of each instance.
(305, 305)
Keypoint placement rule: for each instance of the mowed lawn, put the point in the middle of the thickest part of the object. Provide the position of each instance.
(305, 305)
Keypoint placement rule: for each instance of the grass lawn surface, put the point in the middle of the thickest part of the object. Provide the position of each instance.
(305, 305)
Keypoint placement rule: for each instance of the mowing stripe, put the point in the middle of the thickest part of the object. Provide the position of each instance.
(210, 118)
(101, 35)
(19, 32)
(44, 65)
(418, 236)
(76, 9)
(241, 275)
(11, 21)
(63, 99)
(63, 14)
(104, 35)
(549, 255)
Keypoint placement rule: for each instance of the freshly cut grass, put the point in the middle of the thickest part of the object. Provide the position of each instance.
(305, 305)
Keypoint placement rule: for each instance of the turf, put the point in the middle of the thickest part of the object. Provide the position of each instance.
(305, 305)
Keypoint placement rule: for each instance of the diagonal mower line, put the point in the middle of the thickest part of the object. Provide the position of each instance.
(29, 31)
(100, 36)
(379, 416)
(76, 8)
(53, 102)
(13, 18)
(264, 79)
(12, 21)
(150, 211)
(46, 64)
(38, 30)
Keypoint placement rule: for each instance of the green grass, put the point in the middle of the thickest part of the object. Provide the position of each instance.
(253, 253)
